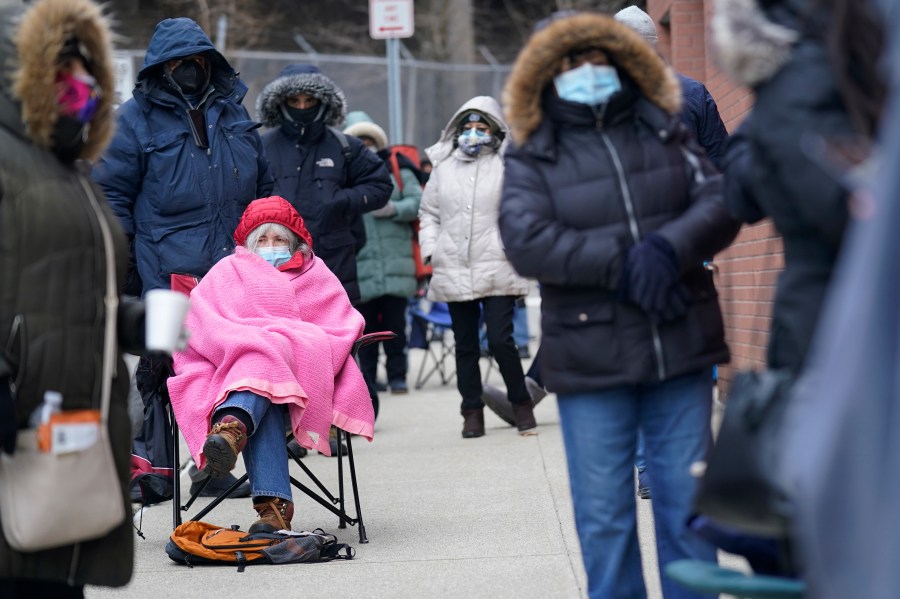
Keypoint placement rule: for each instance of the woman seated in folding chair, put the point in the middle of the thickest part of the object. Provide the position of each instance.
(271, 328)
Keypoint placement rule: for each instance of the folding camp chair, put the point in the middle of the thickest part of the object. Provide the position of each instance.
(436, 325)
(324, 497)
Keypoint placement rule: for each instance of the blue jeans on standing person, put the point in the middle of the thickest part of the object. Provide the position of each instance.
(600, 430)
(265, 456)
(640, 461)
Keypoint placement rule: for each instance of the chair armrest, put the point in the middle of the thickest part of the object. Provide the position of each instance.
(371, 338)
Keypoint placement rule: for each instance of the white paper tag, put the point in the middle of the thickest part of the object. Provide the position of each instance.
(74, 436)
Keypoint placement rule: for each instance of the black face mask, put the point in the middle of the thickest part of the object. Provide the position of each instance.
(191, 77)
(304, 116)
(69, 137)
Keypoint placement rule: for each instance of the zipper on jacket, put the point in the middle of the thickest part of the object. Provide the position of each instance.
(598, 116)
(636, 237)
(472, 219)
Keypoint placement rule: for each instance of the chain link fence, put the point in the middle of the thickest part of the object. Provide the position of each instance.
(431, 91)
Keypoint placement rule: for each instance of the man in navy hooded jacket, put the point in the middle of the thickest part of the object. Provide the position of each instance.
(185, 161)
(330, 178)
(186, 158)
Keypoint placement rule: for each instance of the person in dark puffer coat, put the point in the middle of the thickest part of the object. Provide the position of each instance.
(63, 258)
(179, 183)
(179, 196)
(610, 204)
(330, 186)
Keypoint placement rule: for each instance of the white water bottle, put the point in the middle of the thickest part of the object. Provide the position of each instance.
(52, 404)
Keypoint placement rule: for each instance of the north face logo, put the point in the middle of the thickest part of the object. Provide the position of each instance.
(325, 162)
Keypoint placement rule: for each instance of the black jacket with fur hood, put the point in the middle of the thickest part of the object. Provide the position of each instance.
(61, 265)
(583, 185)
(311, 170)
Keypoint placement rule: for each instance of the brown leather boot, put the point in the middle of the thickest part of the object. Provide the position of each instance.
(524, 415)
(224, 442)
(473, 423)
(274, 514)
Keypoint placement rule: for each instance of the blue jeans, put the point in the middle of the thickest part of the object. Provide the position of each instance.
(265, 455)
(640, 461)
(600, 430)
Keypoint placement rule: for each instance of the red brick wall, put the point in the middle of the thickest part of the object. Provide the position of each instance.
(747, 271)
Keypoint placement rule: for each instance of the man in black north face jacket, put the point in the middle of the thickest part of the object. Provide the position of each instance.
(331, 179)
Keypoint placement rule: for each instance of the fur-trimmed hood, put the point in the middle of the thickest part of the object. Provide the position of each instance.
(30, 43)
(301, 79)
(750, 45)
(540, 59)
(487, 106)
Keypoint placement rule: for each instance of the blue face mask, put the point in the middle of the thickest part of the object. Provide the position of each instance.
(472, 140)
(276, 256)
(588, 84)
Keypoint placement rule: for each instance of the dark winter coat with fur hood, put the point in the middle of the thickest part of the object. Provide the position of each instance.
(62, 258)
(773, 167)
(581, 187)
(330, 186)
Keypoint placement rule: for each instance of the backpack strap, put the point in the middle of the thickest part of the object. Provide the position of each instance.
(333, 551)
(346, 151)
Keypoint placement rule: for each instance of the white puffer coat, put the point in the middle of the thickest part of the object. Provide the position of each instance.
(458, 217)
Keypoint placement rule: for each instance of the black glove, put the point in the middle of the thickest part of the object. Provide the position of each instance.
(651, 269)
(676, 305)
(131, 326)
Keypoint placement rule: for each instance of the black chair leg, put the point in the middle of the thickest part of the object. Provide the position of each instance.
(363, 539)
(176, 474)
(222, 497)
(340, 458)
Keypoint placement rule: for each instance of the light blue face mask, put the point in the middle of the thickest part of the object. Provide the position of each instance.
(472, 140)
(588, 84)
(276, 255)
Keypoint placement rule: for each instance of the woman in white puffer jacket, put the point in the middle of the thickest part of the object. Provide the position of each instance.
(460, 237)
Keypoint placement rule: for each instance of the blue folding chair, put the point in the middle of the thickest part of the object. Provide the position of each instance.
(436, 339)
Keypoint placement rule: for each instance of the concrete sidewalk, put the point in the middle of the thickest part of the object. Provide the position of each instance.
(446, 517)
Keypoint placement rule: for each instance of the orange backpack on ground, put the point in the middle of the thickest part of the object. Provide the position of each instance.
(201, 544)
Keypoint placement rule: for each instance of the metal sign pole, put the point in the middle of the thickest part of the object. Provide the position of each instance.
(394, 97)
(390, 20)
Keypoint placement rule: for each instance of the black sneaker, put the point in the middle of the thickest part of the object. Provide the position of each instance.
(398, 387)
(217, 485)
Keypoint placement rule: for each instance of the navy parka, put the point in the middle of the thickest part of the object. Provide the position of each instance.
(178, 203)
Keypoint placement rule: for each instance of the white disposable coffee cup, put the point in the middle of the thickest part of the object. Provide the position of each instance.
(166, 311)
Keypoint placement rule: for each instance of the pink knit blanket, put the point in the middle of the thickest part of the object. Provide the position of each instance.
(285, 335)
